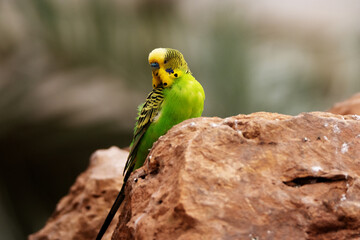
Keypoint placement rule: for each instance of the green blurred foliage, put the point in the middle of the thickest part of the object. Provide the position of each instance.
(72, 74)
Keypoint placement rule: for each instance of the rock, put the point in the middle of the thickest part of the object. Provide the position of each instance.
(80, 214)
(347, 107)
(257, 176)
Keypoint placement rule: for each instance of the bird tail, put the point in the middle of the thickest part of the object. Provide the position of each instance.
(119, 199)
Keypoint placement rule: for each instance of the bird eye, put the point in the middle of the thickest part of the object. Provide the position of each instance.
(175, 75)
(165, 61)
(154, 65)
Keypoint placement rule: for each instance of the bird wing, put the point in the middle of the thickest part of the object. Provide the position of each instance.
(147, 114)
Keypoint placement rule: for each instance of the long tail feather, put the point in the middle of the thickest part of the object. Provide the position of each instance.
(119, 199)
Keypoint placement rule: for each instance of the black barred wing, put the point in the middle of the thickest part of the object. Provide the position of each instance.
(148, 112)
(150, 109)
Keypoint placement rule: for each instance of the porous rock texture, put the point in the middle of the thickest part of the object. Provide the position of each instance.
(257, 176)
(80, 214)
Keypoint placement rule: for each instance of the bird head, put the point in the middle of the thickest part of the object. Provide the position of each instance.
(167, 65)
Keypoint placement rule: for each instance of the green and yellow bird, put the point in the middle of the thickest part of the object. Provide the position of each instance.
(176, 96)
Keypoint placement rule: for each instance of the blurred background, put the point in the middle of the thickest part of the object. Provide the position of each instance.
(72, 74)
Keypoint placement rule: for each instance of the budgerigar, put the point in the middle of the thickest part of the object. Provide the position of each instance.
(176, 96)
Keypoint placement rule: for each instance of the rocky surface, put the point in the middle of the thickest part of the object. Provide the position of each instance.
(80, 214)
(349, 106)
(257, 176)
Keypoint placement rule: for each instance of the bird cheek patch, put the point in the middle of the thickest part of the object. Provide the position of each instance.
(172, 73)
(165, 77)
(169, 70)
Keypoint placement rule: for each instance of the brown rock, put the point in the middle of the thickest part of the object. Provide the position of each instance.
(257, 176)
(347, 107)
(79, 215)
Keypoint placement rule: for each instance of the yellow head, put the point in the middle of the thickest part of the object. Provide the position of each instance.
(167, 65)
